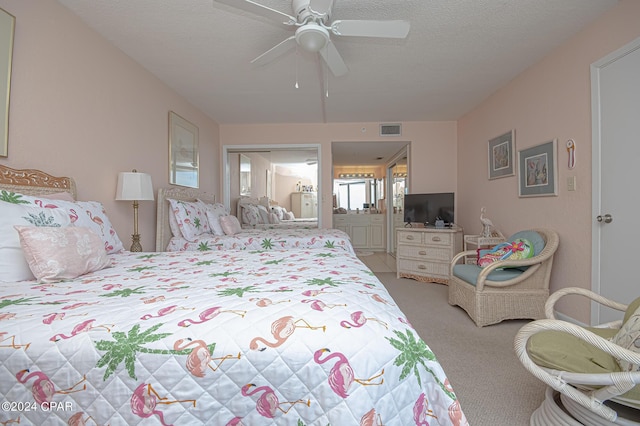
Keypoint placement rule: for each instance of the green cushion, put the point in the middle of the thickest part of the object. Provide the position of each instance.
(469, 273)
(565, 352)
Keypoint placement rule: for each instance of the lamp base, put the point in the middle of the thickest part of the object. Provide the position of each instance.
(136, 246)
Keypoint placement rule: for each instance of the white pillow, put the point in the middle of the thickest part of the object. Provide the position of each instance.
(264, 214)
(214, 212)
(191, 217)
(13, 265)
(55, 254)
(279, 211)
(289, 216)
(273, 218)
(83, 213)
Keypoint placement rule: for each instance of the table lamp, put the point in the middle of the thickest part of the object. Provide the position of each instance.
(134, 186)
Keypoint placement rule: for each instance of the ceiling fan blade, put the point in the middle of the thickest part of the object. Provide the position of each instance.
(362, 28)
(274, 52)
(261, 10)
(333, 60)
(321, 7)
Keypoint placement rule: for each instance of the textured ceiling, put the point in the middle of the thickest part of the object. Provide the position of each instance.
(457, 53)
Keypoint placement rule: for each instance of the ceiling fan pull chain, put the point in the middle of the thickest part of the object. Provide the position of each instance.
(297, 86)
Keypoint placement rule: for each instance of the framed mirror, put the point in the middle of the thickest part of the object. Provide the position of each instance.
(245, 175)
(183, 152)
(7, 26)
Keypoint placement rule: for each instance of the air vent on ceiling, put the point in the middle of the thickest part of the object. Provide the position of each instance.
(390, 129)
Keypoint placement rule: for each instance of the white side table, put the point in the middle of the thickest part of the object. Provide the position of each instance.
(478, 242)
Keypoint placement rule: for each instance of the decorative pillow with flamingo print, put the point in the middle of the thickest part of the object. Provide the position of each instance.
(191, 217)
(55, 254)
(81, 213)
(13, 264)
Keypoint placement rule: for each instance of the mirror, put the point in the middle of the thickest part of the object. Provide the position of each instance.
(358, 194)
(245, 175)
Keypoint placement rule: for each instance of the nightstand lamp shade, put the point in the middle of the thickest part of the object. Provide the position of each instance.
(134, 186)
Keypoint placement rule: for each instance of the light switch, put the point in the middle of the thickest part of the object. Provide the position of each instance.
(571, 183)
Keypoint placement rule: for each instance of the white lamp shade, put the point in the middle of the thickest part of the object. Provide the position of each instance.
(134, 186)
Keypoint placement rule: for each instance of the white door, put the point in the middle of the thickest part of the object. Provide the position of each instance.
(615, 90)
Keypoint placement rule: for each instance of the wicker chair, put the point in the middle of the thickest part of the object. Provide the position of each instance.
(581, 366)
(517, 292)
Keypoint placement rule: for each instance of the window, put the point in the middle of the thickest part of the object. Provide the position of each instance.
(352, 195)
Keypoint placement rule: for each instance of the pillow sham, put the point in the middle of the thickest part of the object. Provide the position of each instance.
(273, 218)
(13, 264)
(289, 216)
(81, 213)
(191, 218)
(173, 224)
(250, 214)
(55, 254)
(214, 212)
(230, 225)
(264, 214)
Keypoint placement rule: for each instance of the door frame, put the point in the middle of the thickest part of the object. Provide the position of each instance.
(596, 171)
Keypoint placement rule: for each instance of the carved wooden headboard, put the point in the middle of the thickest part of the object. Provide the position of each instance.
(34, 182)
(163, 230)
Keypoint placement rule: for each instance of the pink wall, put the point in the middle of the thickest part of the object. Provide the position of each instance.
(433, 149)
(80, 107)
(550, 100)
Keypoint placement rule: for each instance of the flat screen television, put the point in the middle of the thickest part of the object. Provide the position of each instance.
(427, 208)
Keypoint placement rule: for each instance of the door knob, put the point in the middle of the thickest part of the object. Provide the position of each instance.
(607, 218)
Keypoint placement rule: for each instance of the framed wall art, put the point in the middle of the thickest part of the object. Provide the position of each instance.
(538, 170)
(183, 152)
(7, 27)
(501, 155)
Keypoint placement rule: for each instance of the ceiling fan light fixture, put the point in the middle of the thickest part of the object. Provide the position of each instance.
(312, 37)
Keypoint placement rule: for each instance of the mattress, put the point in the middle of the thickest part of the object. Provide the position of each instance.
(267, 239)
(304, 337)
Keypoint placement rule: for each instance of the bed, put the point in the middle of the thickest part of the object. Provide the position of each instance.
(306, 337)
(250, 218)
(168, 238)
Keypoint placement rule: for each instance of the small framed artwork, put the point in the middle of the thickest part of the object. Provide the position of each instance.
(183, 152)
(7, 26)
(501, 155)
(538, 170)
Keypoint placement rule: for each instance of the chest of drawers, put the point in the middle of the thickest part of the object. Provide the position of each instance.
(425, 254)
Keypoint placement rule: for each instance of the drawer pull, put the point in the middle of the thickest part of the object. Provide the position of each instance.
(436, 239)
(422, 267)
(422, 253)
(409, 237)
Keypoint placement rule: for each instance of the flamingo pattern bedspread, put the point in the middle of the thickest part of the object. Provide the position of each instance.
(308, 337)
(266, 239)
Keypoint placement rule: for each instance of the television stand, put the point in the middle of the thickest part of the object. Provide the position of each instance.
(425, 253)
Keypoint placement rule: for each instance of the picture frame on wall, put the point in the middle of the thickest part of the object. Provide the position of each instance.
(538, 170)
(501, 155)
(183, 152)
(7, 29)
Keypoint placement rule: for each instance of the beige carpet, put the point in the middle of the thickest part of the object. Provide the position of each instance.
(491, 384)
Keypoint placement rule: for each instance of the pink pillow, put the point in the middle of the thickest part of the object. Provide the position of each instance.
(230, 225)
(55, 254)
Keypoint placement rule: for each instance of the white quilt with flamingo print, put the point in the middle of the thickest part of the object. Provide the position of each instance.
(266, 239)
(305, 337)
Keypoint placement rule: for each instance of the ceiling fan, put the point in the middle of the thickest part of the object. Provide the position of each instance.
(313, 27)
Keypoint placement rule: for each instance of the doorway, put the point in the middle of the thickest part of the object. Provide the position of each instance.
(615, 94)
